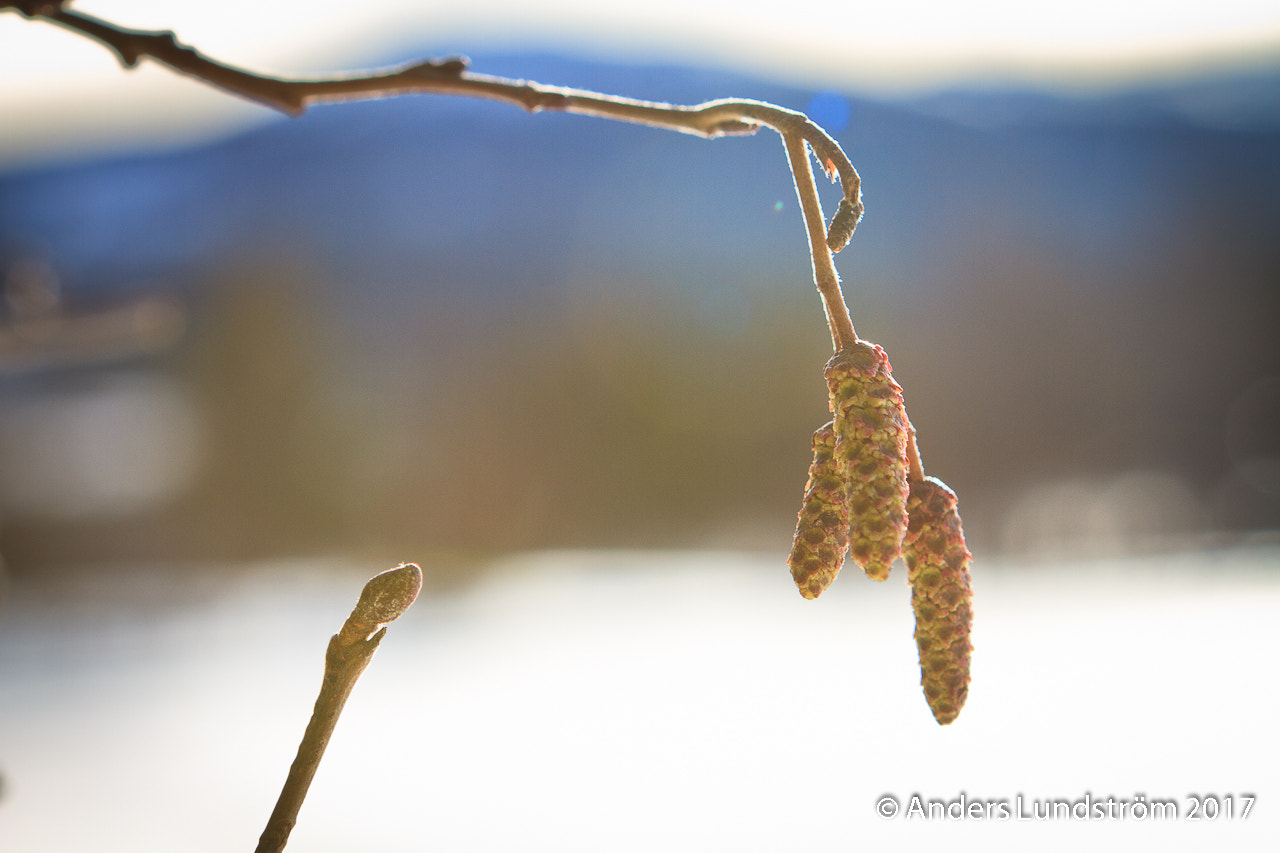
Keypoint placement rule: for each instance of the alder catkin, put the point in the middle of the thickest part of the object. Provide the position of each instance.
(822, 528)
(941, 595)
(871, 445)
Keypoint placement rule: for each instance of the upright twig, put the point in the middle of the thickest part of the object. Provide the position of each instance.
(384, 599)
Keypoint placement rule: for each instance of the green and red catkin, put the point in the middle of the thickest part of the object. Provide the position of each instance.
(822, 529)
(867, 492)
(941, 595)
(871, 445)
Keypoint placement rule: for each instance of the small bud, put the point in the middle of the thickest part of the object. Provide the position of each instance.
(941, 595)
(388, 595)
(843, 223)
(871, 443)
(822, 528)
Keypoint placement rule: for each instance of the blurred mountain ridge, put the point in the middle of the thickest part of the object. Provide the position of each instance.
(365, 174)
(1233, 99)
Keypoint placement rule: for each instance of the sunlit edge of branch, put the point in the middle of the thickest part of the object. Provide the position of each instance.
(825, 276)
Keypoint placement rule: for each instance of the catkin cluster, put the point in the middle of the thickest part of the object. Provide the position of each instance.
(856, 495)
(941, 595)
(866, 493)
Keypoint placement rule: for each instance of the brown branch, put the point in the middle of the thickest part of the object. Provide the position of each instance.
(385, 598)
(31, 8)
(824, 268)
(451, 77)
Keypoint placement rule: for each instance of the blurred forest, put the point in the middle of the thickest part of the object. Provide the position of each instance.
(439, 327)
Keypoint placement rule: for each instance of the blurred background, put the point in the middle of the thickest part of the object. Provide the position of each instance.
(448, 331)
(444, 325)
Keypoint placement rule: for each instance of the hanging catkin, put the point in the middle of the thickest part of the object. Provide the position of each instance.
(941, 595)
(822, 529)
(871, 445)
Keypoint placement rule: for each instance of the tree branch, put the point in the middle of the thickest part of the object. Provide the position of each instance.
(824, 269)
(384, 599)
(451, 77)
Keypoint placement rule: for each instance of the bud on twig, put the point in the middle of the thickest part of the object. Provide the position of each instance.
(388, 595)
(871, 444)
(840, 232)
(941, 595)
(385, 598)
(822, 529)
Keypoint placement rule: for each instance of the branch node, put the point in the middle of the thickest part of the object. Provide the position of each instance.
(33, 8)
(733, 127)
(541, 98)
(450, 66)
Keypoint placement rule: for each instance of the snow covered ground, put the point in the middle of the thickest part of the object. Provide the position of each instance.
(634, 701)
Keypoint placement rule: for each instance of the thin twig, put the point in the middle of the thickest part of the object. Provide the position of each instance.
(451, 77)
(915, 465)
(385, 598)
(824, 268)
